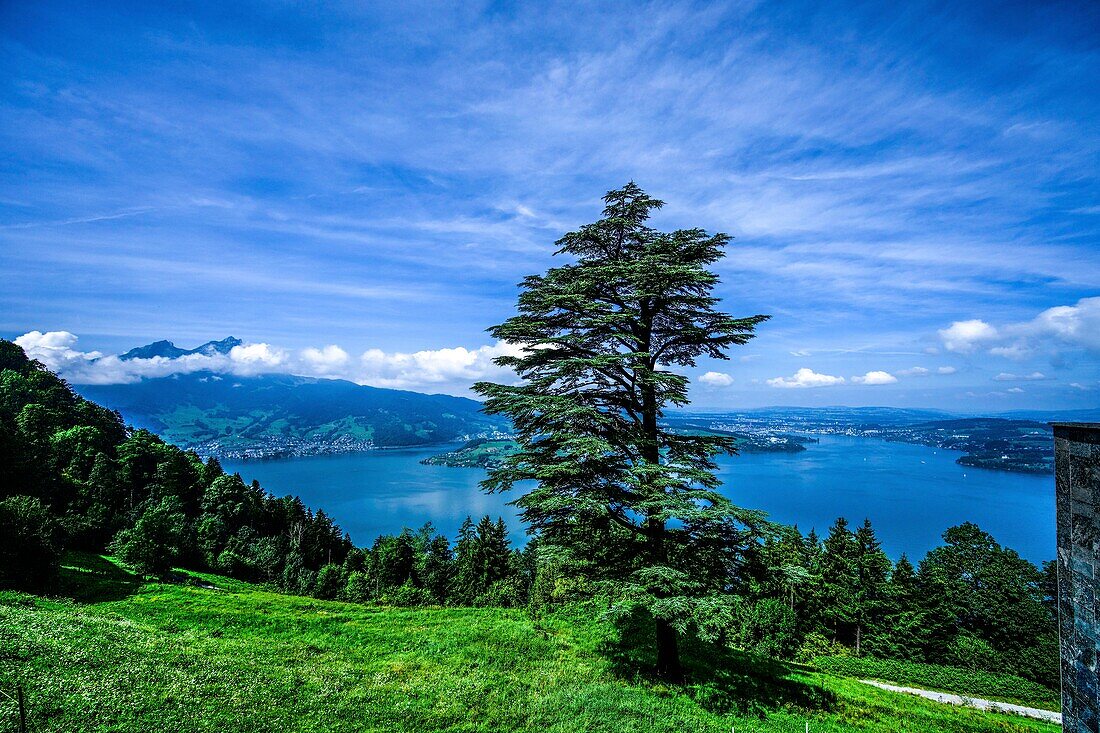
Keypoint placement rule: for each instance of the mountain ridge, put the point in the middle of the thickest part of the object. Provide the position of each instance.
(167, 350)
(273, 415)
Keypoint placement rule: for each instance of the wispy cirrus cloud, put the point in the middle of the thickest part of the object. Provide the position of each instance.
(377, 177)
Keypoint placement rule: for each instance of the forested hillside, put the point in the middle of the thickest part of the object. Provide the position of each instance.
(280, 415)
(74, 477)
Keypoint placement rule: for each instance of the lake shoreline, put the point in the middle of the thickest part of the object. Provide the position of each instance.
(911, 492)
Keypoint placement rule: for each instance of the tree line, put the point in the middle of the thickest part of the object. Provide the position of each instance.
(968, 603)
(74, 477)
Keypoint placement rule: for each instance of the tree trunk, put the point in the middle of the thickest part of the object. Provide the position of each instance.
(857, 639)
(668, 653)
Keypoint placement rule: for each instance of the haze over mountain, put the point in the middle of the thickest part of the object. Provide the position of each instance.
(232, 414)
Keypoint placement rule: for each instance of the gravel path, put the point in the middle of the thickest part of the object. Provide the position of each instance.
(973, 702)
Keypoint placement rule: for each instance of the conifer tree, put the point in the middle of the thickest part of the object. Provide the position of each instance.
(905, 631)
(464, 584)
(836, 603)
(872, 573)
(601, 341)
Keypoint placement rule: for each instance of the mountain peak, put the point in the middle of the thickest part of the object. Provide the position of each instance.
(168, 350)
(165, 349)
(218, 347)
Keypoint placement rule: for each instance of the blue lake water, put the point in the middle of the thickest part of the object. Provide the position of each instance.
(911, 493)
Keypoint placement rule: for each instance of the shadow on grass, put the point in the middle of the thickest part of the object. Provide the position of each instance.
(721, 680)
(89, 578)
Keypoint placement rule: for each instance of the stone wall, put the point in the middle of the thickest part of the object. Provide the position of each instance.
(1077, 472)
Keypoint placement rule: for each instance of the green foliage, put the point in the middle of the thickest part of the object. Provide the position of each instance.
(405, 594)
(556, 583)
(358, 587)
(850, 600)
(970, 652)
(837, 601)
(818, 645)
(154, 543)
(768, 627)
(485, 569)
(331, 582)
(601, 340)
(939, 677)
(975, 588)
(30, 551)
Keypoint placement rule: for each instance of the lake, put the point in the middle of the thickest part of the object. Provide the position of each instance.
(911, 493)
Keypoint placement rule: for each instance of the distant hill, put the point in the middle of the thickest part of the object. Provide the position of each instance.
(837, 413)
(281, 415)
(1086, 415)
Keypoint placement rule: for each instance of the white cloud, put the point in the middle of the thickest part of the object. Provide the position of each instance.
(965, 336)
(875, 378)
(806, 378)
(450, 370)
(258, 356)
(1078, 385)
(1054, 329)
(436, 367)
(1072, 324)
(54, 348)
(919, 371)
(1018, 350)
(716, 379)
(1015, 390)
(325, 361)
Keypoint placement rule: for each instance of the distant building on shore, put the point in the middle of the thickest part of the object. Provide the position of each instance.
(1077, 476)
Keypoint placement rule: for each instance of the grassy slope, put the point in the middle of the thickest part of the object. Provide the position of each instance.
(123, 656)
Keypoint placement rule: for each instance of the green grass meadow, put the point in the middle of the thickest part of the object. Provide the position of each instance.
(112, 653)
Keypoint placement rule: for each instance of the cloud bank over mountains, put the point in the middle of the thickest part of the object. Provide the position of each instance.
(1055, 351)
(449, 370)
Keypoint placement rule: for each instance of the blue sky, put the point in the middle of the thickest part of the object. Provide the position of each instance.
(355, 190)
